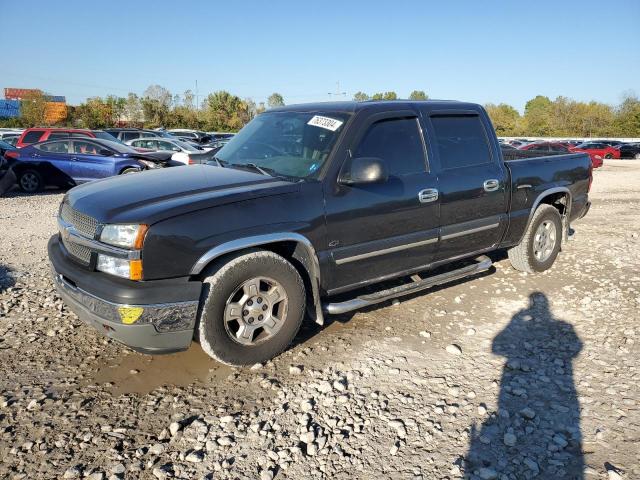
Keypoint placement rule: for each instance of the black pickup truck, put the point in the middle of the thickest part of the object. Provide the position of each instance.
(305, 203)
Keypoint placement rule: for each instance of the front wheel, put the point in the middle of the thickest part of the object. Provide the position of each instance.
(252, 308)
(129, 170)
(541, 243)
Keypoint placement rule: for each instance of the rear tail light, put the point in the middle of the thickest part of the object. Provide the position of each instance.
(190, 161)
(590, 177)
(12, 154)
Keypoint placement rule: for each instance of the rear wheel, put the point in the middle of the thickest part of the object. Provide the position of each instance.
(252, 308)
(541, 243)
(30, 181)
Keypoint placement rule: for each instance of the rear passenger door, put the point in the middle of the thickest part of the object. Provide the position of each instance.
(377, 230)
(472, 183)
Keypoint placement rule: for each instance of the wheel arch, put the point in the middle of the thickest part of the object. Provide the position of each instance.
(293, 246)
(560, 199)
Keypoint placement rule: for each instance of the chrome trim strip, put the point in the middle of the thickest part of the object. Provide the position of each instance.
(69, 232)
(257, 240)
(470, 231)
(384, 251)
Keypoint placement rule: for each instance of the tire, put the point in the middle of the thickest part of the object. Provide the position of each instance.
(608, 156)
(528, 255)
(30, 181)
(637, 156)
(225, 333)
(129, 170)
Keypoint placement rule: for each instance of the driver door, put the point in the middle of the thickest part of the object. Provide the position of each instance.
(380, 229)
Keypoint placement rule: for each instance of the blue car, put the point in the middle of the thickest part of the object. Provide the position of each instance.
(73, 161)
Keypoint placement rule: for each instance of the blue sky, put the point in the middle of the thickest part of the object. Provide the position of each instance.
(481, 51)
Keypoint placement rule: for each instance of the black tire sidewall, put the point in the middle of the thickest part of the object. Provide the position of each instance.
(214, 331)
(37, 175)
(553, 215)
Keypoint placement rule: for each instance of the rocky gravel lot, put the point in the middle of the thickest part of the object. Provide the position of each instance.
(504, 376)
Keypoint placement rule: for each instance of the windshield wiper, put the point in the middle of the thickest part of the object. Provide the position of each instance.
(255, 167)
(219, 161)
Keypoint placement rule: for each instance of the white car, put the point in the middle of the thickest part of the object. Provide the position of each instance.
(183, 151)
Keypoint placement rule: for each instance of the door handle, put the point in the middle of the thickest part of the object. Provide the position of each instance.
(491, 185)
(74, 159)
(428, 195)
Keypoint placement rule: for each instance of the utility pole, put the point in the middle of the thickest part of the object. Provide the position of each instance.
(337, 93)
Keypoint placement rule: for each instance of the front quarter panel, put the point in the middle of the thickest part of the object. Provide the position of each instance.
(173, 246)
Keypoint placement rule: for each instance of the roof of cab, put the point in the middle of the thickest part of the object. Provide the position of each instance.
(375, 105)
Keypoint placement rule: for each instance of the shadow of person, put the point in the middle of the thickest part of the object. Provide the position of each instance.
(535, 432)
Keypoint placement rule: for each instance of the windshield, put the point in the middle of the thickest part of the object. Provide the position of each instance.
(293, 144)
(105, 136)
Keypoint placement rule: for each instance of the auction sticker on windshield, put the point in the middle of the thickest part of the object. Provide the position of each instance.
(325, 122)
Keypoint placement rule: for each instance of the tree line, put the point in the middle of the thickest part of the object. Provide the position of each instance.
(223, 111)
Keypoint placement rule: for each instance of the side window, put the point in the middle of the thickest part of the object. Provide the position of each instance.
(57, 135)
(150, 144)
(129, 136)
(54, 147)
(397, 142)
(85, 148)
(460, 140)
(32, 136)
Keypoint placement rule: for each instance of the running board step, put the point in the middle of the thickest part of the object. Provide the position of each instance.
(418, 284)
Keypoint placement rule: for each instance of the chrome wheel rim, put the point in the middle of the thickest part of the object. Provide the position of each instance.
(544, 240)
(255, 311)
(29, 182)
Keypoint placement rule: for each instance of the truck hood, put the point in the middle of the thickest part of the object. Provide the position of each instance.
(155, 195)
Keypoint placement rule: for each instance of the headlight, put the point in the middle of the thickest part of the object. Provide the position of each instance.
(149, 164)
(120, 267)
(128, 236)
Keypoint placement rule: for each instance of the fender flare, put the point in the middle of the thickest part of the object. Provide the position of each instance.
(541, 197)
(312, 266)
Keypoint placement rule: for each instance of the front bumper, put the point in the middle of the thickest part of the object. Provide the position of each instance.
(159, 327)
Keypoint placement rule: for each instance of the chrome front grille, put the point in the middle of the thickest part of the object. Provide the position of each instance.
(80, 252)
(84, 225)
(81, 222)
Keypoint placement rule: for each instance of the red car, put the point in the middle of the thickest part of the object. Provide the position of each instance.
(597, 151)
(545, 147)
(35, 135)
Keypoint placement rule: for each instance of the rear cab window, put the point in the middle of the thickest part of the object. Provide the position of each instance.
(460, 140)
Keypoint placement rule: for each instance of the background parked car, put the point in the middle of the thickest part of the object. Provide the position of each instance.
(629, 150)
(182, 151)
(545, 147)
(5, 147)
(11, 139)
(10, 132)
(595, 149)
(193, 135)
(36, 135)
(72, 161)
(127, 134)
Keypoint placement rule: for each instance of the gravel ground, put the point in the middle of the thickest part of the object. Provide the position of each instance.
(507, 376)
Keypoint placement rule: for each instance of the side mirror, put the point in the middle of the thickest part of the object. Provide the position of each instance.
(363, 170)
(105, 153)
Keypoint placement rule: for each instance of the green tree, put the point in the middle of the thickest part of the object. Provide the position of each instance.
(33, 108)
(385, 96)
(133, 110)
(225, 112)
(418, 95)
(275, 100)
(156, 105)
(95, 113)
(360, 97)
(504, 117)
(537, 116)
(627, 116)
